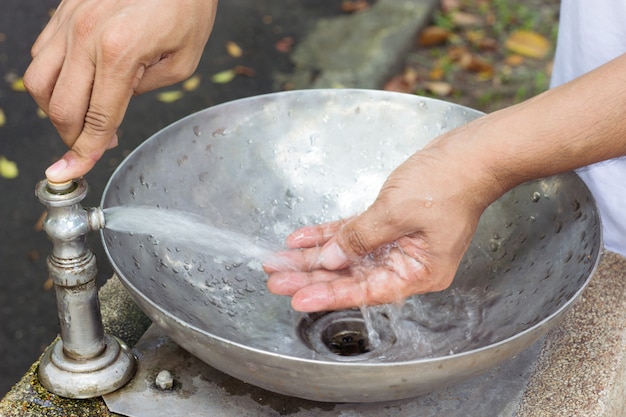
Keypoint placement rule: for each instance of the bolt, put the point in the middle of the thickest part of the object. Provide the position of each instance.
(164, 380)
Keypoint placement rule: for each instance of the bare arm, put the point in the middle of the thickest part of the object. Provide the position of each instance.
(428, 209)
(94, 55)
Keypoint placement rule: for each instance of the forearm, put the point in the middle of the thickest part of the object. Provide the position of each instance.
(577, 124)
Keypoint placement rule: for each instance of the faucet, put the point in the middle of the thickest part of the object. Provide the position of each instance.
(84, 362)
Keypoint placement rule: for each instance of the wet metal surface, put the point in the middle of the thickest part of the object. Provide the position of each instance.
(266, 165)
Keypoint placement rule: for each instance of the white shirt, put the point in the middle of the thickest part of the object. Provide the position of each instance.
(591, 33)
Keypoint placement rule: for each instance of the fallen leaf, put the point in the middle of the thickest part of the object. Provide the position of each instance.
(38, 227)
(449, 5)
(439, 88)
(170, 96)
(33, 255)
(432, 36)
(245, 71)
(8, 169)
(514, 60)
(473, 63)
(233, 49)
(528, 43)
(18, 85)
(192, 83)
(403, 83)
(285, 44)
(466, 19)
(351, 6)
(3, 118)
(436, 74)
(223, 77)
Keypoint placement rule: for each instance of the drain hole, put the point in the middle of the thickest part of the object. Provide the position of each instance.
(343, 335)
(347, 342)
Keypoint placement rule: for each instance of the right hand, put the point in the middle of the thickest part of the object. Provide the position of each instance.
(94, 55)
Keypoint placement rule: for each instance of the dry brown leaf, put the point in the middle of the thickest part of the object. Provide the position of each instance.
(432, 36)
(351, 6)
(473, 63)
(514, 60)
(38, 226)
(398, 84)
(528, 43)
(233, 49)
(449, 5)
(436, 74)
(466, 19)
(245, 71)
(439, 88)
(285, 44)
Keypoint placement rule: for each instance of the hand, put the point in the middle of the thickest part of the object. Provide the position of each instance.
(94, 55)
(409, 241)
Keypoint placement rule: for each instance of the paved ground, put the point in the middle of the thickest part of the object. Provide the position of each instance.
(28, 320)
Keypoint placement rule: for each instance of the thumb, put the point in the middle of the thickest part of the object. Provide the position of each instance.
(360, 236)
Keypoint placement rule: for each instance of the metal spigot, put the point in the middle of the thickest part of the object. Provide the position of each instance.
(84, 362)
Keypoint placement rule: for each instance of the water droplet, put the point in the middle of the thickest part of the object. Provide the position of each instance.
(220, 132)
(536, 197)
(197, 131)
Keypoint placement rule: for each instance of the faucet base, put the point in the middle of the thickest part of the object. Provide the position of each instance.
(87, 378)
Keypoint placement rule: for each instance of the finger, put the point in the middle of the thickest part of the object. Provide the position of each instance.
(72, 165)
(373, 286)
(294, 260)
(72, 92)
(315, 235)
(42, 73)
(288, 283)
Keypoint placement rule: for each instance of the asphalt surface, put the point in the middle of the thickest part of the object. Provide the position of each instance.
(28, 321)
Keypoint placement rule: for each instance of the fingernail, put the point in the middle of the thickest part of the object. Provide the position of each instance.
(55, 170)
(332, 257)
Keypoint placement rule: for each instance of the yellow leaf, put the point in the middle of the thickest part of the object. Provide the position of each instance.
(41, 114)
(8, 169)
(3, 118)
(191, 83)
(170, 96)
(528, 43)
(223, 77)
(18, 85)
(233, 49)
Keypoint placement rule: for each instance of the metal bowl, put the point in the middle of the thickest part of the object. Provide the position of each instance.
(265, 165)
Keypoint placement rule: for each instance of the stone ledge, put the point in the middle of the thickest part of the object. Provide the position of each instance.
(581, 370)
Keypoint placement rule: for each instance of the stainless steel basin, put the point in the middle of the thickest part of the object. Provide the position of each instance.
(265, 165)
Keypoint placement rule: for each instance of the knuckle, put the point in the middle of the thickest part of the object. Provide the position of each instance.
(84, 22)
(59, 115)
(356, 241)
(98, 122)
